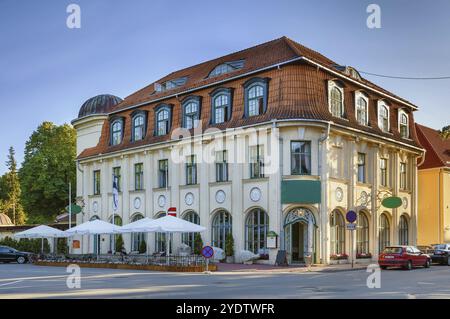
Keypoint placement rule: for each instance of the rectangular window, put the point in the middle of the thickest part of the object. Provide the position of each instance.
(191, 170)
(361, 167)
(383, 172)
(97, 183)
(163, 173)
(300, 158)
(116, 173)
(256, 161)
(221, 166)
(139, 176)
(403, 177)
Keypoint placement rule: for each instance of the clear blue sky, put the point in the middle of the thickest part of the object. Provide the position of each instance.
(47, 70)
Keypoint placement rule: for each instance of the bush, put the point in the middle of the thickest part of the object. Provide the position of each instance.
(142, 247)
(61, 246)
(27, 245)
(229, 245)
(198, 244)
(119, 243)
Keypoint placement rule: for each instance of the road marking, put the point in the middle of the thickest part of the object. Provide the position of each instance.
(11, 283)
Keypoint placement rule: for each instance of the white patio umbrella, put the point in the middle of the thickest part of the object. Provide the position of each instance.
(93, 227)
(144, 225)
(42, 232)
(170, 224)
(167, 224)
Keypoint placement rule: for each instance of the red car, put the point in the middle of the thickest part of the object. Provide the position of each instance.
(403, 256)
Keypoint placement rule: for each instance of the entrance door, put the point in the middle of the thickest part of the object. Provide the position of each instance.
(298, 252)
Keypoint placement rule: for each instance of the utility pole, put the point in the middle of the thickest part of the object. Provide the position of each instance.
(69, 241)
(14, 211)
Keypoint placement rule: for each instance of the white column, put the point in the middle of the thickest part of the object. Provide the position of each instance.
(324, 216)
(374, 202)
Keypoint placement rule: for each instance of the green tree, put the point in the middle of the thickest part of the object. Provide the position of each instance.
(142, 247)
(229, 245)
(119, 243)
(445, 132)
(48, 167)
(198, 244)
(10, 191)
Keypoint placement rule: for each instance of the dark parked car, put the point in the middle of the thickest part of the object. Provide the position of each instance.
(8, 254)
(403, 256)
(441, 254)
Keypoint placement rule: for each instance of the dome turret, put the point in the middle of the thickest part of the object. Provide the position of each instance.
(100, 104)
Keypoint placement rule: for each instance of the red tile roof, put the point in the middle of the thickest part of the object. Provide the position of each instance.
(257, 57)
(297, 91)
(438, 149)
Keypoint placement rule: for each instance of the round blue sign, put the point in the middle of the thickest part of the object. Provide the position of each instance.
(351, 216)
(207, 252)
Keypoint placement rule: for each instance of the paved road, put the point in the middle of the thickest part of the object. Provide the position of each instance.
(28, 281)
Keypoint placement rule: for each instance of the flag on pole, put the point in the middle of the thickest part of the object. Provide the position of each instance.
(115, 192)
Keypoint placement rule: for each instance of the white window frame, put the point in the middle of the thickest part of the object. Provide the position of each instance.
(332, 84)
(381, 104)
(401, 112)
(359, 94)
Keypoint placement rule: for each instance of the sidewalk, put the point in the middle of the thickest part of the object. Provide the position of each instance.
(261, 268)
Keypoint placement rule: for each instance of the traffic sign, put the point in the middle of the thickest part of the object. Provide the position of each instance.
(207, 252)
(172, 211)
(351, 226)
(351, 216)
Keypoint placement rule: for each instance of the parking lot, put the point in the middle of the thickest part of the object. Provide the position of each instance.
(29, 281)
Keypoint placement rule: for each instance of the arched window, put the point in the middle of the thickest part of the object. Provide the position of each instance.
(256, 229)
(336, 99)
(163, 115)
(361, 108)
(139, 126)
(116, 132)
(255, 91)
(116, 220)
(337, 233)
(383, 116)
(221, 227)
(221, 106)
(160, 239)
(403, 232)
(362, 234)
(191, 112)
(384, 233)
(189, 238)
(96, 243)
(403, 124)
(226, 67)
(137, 238)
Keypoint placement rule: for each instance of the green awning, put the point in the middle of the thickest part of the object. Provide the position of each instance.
(304, 192)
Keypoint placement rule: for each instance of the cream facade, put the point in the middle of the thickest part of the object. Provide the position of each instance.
(295, 141)
(333, 159)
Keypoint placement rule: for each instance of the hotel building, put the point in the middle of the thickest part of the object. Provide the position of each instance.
(294, 141)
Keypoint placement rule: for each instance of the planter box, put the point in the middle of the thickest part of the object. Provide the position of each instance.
(211, 267)
(338, 261)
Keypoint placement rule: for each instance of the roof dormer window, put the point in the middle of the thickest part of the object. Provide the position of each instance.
(335, 99)
(383, 116)
(361, 108)
(226, 68)
(171, 84)
(403, 124)
(116, 131)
